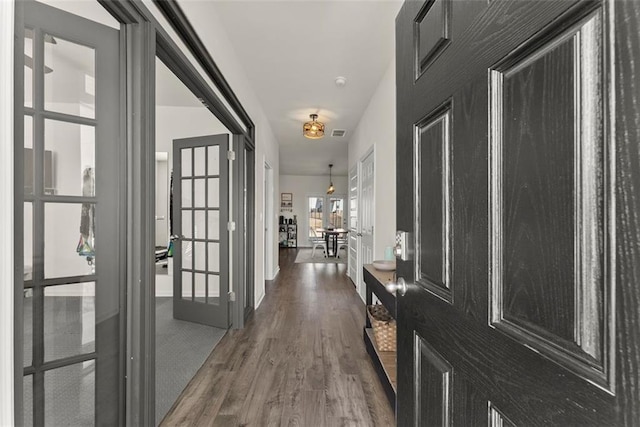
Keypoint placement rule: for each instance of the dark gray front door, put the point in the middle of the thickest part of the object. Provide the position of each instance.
(73, 234)
(200, 218)
(518, 184)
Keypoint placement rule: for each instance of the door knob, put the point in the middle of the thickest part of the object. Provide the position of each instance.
(175, 237)
(400, 287)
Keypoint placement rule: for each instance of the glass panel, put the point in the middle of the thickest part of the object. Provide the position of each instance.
(186, 193)
(199, 161)
(336, 213)
(199, 256)
(70, 85)
(27, 344)
(213, 193)
(186, 161)
(213, 155)
(69, 320)
(214, 225)
(28, 241)
(315, 216)
(214, 289)
(187, 224)
(187, 254)
(187, 282)
(69, 239)
(69, 395)
(28, 67)
(28, 155)
(201, 288)
(200, 232)
(70, 158)
(199, 193)
(214, 257)
(27, 400)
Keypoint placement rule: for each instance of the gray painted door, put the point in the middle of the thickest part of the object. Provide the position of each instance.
(201, 215)
(518, 179)
(73, 235)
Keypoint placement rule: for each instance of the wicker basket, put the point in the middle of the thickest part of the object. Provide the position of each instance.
(384, 327)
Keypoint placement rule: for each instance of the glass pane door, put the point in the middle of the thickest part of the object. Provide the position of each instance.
(201, 203)
(72, 202)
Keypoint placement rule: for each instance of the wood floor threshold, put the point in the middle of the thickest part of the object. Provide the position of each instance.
(300, 361)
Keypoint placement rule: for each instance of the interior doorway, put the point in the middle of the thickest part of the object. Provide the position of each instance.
(192, 229)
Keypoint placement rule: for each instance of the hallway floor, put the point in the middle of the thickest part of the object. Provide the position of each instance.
(300, 360)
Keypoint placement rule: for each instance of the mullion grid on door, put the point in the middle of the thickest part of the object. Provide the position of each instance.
(39, 200)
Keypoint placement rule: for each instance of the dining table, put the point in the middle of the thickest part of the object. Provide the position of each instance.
(331, 236)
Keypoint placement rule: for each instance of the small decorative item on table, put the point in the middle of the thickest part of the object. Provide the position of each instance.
(384, 265)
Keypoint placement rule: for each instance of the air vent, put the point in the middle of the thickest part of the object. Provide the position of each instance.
(338, 132)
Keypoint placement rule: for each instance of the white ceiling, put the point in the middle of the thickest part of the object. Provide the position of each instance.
(293, 50)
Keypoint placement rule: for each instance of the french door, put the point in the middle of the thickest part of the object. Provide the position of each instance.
(201, 212)
(518, 195)
(73, 233)
(353, 271)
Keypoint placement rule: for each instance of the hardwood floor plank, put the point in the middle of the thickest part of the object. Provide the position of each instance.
(300, 361)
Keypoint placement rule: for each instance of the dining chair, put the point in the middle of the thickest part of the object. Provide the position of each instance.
(317, 241)
(343, 242)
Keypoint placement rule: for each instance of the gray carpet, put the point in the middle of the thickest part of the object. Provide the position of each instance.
(304, 256)
(181, 349)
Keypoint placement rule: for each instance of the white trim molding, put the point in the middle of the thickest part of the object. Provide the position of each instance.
(7, 19)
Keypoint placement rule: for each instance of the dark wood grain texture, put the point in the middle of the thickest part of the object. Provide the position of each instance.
(627, 195)
(496, 372)
(299, 361)
(538, 191)
(431, 146)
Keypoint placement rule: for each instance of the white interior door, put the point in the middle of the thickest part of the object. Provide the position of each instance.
(366, 216)
(353, 225)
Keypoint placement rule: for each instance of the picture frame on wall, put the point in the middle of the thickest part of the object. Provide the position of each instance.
(286, 202)
(286, 197)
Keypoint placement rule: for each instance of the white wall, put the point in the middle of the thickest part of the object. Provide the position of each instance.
(303, 186)
(267, 149)
(377, 128)
(6, 212)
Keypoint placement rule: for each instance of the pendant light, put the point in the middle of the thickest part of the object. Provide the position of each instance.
(331, 188)
(313, 129)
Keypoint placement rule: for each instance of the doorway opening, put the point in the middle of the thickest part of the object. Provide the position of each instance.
(189, 240)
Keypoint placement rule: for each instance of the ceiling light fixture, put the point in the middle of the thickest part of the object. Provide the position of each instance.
(313, 129)
(331, 188)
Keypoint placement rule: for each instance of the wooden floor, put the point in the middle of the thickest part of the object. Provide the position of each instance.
(300, 361)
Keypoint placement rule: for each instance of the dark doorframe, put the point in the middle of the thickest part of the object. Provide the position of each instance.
(142, 38)
(145, 39)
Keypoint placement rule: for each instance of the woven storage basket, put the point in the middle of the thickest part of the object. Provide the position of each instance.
(384, 327)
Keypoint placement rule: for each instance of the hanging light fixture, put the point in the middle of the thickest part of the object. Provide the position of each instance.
(313, 129)
(331, 188)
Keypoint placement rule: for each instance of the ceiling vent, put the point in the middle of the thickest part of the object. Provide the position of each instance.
(338, 132)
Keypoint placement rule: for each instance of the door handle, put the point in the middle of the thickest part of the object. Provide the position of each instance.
(175, 237)
(400, 287)
(159, 218)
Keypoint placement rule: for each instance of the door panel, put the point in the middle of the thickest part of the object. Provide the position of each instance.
(73, 205)
(201, 266)
(353, 225)
(503, 110)
(366, 215)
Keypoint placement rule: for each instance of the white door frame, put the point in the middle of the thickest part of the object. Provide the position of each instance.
(360, 286)
(268, 218)
(6, 213)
